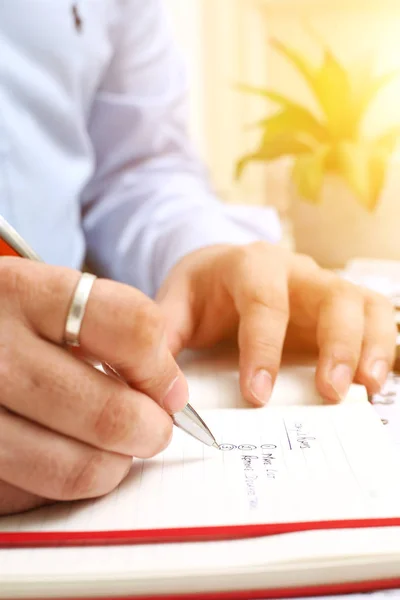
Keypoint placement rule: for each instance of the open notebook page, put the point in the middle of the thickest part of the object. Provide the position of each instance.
(276, 466)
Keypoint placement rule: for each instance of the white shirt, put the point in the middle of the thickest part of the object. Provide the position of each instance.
(94, 153)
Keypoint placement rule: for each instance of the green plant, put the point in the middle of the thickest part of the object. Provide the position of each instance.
(332, 141)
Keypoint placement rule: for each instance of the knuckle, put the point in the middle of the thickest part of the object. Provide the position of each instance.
(280, 306)
(246, 254)
(344, 289)
(342, 286)
(11, 276)
(344, 337)
(7, 368)
(307, 262)
(267, 350)
(157, 381)
(273, 254)
(12, 338)
(375, 300)
(114, 423)
(255, 290)
(48, 469)
(15, 500)
(123, 426)
(277, 304)
(84, 479)
(259, 247)
(148, 324)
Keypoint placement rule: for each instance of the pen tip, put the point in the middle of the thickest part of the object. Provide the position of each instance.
(215, 445)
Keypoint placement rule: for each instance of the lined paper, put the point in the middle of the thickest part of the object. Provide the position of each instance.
(275, 465)
(387, 405)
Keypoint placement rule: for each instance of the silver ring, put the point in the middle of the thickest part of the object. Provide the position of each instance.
(77, 309)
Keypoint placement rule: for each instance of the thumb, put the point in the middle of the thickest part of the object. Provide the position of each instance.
(176, 302)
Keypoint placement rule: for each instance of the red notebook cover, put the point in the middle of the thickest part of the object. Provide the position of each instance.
(356, 587)
(6, 249)
(36, 539)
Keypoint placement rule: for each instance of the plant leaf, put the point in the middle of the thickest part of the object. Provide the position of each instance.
(295, 119)
(308, 173)
(388, 140)
(353, 166)
(361, 75)
(292, 116)
(275, 97)
(336, 142)
(265, 93)
(363, 166)
(330, 85)
(306, 69)
(377, 170)
(332, 89)
(287, 144)
(244, 161)
(366, 86)
(376, 85)
(272, 148)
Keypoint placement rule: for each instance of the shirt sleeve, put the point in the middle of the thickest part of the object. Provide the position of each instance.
(150, 201)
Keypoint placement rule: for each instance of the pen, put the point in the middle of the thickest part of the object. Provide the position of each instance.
(12, 244)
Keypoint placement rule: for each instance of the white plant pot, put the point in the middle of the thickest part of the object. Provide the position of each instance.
(339, 228)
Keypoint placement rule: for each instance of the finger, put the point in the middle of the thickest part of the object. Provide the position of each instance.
(14, 500)
(262, 304)
(121, 326)
(64, 394)
(340, 332)
(199, 313)
(45, 464)
(378, 350)
(134, 343)
(175, 301)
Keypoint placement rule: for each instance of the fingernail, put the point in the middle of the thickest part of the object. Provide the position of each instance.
(261, 386)
(341, 378)
(379, 372)
(177, 395)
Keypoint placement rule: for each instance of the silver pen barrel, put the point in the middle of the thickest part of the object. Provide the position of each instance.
(188, 420)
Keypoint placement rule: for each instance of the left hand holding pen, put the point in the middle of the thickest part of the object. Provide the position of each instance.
(269, 298)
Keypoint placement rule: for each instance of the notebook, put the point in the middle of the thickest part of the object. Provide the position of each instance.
(301, 498)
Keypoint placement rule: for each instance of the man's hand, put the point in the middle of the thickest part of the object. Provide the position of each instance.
(267, 297)
(67, 431)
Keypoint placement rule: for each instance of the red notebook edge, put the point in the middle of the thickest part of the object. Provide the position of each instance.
(6, 249)
(47, 539)
(329, 589)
